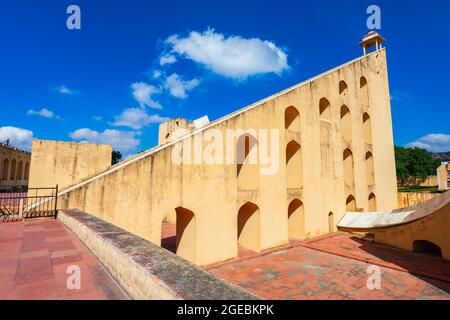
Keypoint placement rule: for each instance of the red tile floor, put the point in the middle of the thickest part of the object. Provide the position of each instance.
(34, 260)
(335, 267)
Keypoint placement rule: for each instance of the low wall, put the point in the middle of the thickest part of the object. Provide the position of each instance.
(407, 199)
(145, 270)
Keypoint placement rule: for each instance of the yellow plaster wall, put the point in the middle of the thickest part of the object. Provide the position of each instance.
(139, 195)
(66, 163)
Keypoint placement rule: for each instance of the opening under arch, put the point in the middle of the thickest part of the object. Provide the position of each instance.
(247, 170)
(364, 91)
(370, 174)
(367, 128)
(346, 123)
(296, 219)
(249, 227)
(186, 238)
(349, 176)
(427, 247)
(292, 119)
(325, 109)
(20, 170)
(343, 88)
(372, 202)
(350, 204)
(330, 222)
(294, 165)
(13, 170)
(5, 168)
(26, 173)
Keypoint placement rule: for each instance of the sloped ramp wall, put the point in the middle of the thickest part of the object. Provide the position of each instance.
(145, 270)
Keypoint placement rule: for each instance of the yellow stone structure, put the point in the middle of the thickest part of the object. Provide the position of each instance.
(331, 145)
(443, 174)
(14, 168)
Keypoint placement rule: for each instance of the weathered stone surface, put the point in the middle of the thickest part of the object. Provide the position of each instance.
(145, 270)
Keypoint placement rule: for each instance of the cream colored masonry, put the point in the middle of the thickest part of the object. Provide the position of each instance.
(337, 155)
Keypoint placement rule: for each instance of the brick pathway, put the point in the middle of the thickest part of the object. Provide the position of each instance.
(300, 272)
(34, 257)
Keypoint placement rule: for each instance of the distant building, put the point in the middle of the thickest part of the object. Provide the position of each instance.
(443, 173)
(14, 168)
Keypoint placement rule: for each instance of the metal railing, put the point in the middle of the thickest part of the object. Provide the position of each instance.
(36, 203)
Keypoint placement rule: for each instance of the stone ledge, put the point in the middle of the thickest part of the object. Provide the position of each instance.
(145, 270)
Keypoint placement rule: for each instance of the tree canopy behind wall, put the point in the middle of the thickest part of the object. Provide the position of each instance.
(116, 157)
(414, 163)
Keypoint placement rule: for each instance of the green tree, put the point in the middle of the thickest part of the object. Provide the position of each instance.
(414, 164)
(116, 157)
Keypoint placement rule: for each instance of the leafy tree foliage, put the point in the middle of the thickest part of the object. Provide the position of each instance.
(414, 163)
(116, 157)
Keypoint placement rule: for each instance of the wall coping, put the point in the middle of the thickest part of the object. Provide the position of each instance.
(145, 270)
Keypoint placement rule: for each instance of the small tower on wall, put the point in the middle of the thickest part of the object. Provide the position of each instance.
(371, 39)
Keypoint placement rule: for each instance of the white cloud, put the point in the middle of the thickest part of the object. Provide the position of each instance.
(97, 118)
(124, 141)
(233, 57)
(136, 118)
(44, 112)
(399, 96)
(178, 87)
(18, 137)
(143, 92)
(167, 59)
(435, 142)
(65, 90)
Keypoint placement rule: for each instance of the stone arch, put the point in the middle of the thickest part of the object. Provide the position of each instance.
(350, 204)
(296, 219)
(247, 170)
(346, 123)
(325, 109)
(12, 175)
(370, 172)
(367, 128)
(186, 237)
(372, 202)
(294, 165)
(292, 119)
(330, 222)
(249, 227)
(5, 168)
(349, 175)
(343, 88)
(364, 91)
(426, 247)
(20, 170)
(26, 173)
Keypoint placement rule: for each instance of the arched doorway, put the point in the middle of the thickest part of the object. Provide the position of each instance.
(292, 119)
(294, 165)
(27, 171)
(346, 123)
(343, 88)
(427, 247)
(20, 170)
(247, 169)
(296, 219)
(370, 174)
(186, 238)
(249, 227)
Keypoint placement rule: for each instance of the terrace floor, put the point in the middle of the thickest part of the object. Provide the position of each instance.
(336, 267)
(36, 259)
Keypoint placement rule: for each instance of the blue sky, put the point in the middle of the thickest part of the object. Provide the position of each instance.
(136, 63)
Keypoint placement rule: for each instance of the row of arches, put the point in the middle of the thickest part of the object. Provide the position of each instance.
(351, 206)
(15, 170)
(363, 90)
(349, 175)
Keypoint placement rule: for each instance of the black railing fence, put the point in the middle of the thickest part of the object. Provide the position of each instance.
(36, 203)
